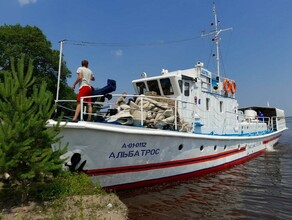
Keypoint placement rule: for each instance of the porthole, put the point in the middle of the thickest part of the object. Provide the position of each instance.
(215, 148)
(202, 148)
(225, 147)
(180, 147)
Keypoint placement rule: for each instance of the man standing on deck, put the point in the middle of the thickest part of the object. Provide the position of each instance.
(84, 77)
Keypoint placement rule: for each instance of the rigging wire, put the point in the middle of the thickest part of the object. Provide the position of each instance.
(112, 44)
(230, 38)
(97, 44)
(226, 54)
(222, 62)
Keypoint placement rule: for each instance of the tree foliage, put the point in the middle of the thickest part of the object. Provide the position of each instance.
(16, 40)
(25, 142)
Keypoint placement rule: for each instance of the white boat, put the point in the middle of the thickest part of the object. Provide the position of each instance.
(182, 124)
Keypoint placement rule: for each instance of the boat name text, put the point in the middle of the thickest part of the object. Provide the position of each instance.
(132, 153)
(253, 145)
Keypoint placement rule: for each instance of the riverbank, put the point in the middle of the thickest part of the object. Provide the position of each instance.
(75, 197)
(107, 206)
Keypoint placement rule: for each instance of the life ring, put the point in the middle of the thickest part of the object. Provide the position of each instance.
(226, 85)
(232, 87)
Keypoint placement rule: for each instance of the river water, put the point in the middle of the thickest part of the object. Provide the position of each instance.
(258, 189)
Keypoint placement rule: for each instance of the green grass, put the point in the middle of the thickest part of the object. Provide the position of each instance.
(69, 196)
(67, 184)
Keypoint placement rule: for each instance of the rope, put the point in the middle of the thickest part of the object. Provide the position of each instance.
(97, 44)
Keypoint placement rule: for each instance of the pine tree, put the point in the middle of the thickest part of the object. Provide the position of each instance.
(25, 142)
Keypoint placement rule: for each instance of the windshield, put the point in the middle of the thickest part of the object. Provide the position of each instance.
(166, 86)
(141, 87)
(153, 86)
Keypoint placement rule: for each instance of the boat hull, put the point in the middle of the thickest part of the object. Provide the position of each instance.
(122, 157)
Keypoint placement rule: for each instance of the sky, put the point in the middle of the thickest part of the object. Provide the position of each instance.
(133, 36)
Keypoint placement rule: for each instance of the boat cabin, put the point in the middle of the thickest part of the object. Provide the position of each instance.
(207, 103)
(203, 99)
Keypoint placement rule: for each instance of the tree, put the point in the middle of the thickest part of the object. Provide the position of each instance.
(16, 40)
(25, 142)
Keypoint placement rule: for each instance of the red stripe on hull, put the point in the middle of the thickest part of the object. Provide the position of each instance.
(183, 176)
(272, 139)
(161, 165)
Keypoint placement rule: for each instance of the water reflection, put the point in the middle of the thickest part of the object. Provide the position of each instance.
(258, 189)
(205, 197)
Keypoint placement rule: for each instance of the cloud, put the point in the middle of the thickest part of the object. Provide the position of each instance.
(118, 52)
(26, 2)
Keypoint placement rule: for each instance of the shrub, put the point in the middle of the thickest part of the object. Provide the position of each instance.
(25, 142)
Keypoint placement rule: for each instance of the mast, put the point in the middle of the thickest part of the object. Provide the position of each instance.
(216, 38)
(59, 70)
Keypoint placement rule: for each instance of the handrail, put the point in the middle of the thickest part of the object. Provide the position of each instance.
(180, 121)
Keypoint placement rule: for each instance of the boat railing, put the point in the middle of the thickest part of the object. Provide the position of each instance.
(259, 122)
(83, 110)
(162, 112)
(264, 120)
(178, 115)
(243, 125)
(278, 123)
(185, 115)
(65, 106)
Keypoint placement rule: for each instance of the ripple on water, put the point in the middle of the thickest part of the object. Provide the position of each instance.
(258, 189)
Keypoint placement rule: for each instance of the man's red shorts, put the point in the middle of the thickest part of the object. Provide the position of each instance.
(84, 91)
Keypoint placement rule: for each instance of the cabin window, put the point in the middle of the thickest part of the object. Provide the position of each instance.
(153, 86)
(166, 86)
(180, 85)
(187, 89)
(221, 106)
(207, 104)
(141, 87)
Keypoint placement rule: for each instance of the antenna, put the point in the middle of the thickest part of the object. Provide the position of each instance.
(216, 38)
